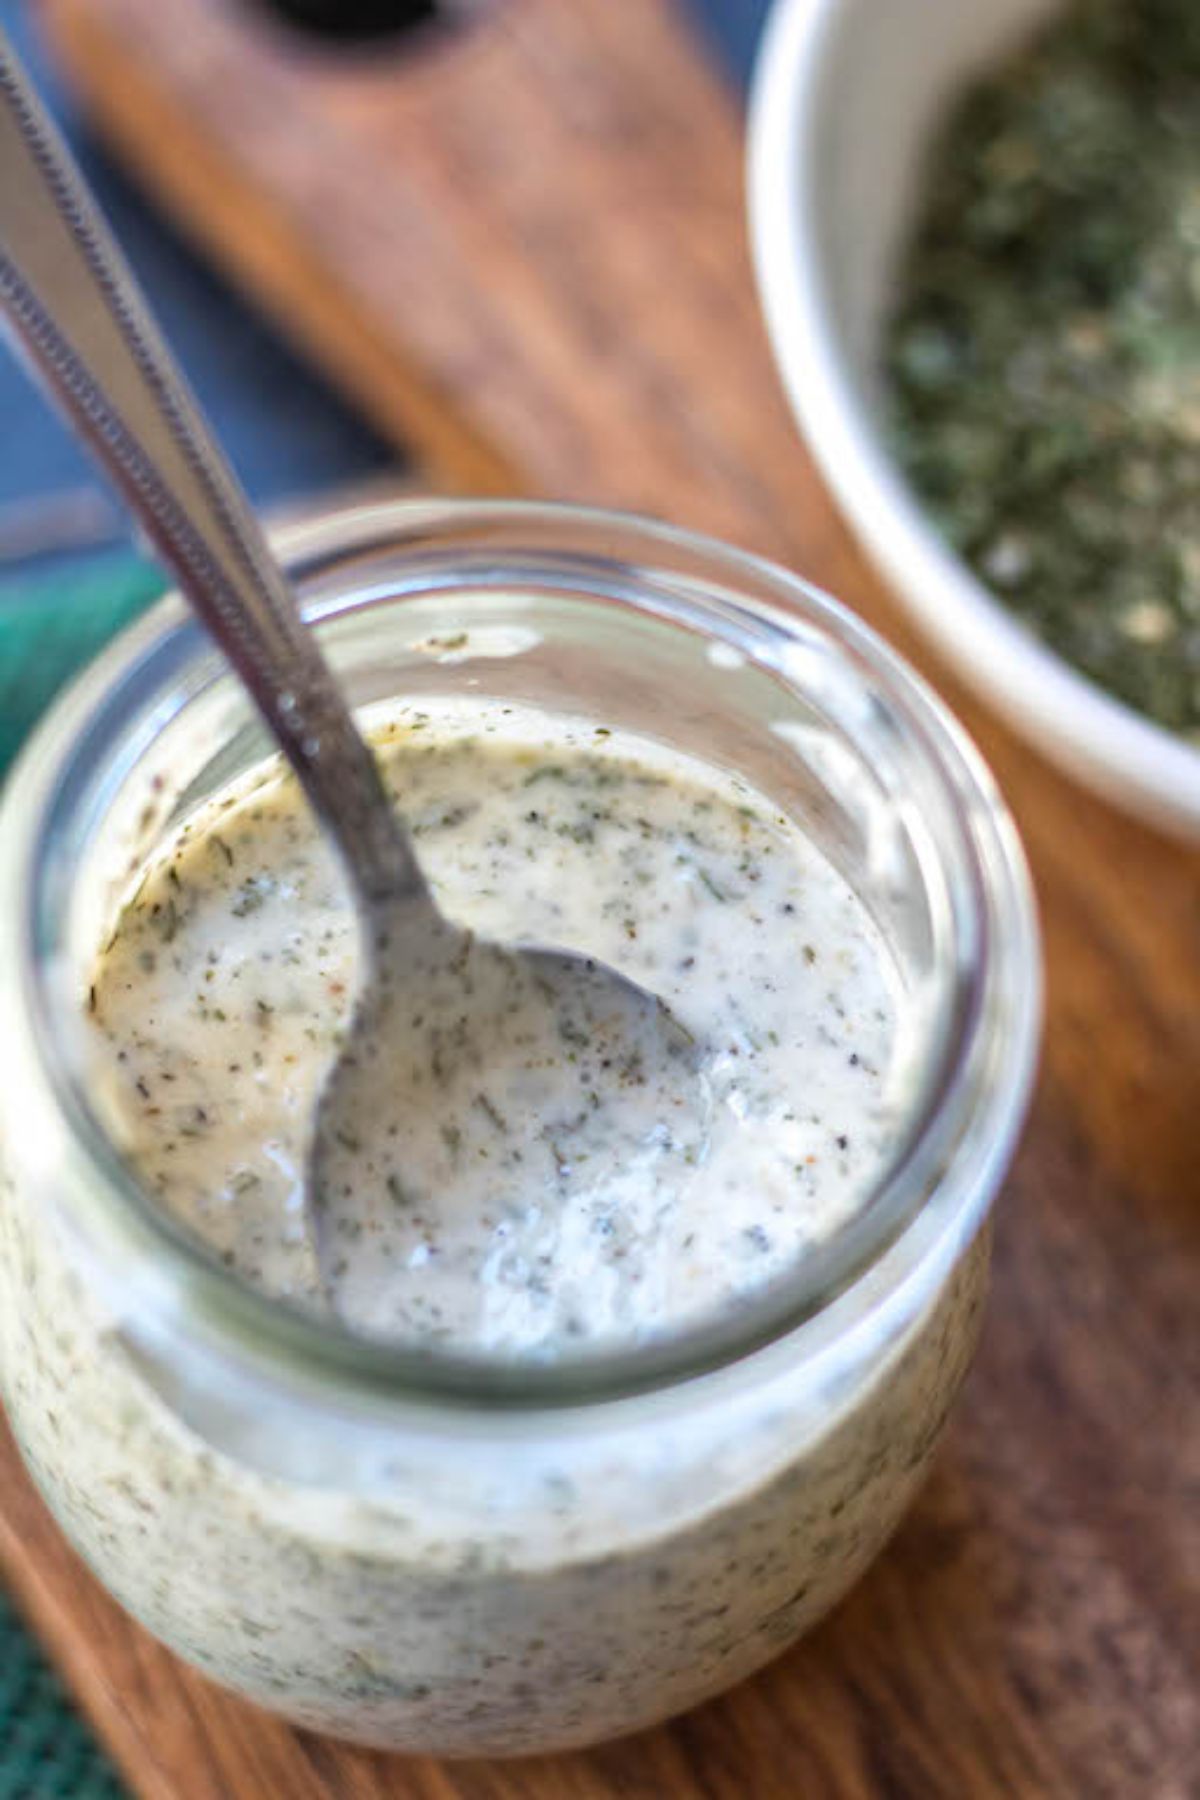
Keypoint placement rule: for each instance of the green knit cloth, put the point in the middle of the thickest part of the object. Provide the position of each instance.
(46, 1751)
(49, 627)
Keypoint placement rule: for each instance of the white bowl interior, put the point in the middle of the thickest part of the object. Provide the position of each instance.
(848, 94)
(887, 73)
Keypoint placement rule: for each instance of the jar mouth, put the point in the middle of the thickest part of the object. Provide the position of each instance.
(947, 1162)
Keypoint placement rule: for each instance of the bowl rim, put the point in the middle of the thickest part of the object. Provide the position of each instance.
(1098, 739)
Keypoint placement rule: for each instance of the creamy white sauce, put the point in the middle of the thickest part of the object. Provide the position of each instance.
(486, 1219)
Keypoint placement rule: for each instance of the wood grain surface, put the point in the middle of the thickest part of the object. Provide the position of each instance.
(522, 252)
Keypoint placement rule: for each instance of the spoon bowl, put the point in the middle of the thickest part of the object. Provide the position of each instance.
(483, 1082)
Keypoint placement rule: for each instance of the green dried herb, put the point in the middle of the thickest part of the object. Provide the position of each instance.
(1044, 358)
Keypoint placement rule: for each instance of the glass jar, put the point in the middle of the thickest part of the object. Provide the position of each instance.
(432, 1552)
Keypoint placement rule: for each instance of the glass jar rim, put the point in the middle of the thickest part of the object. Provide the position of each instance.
(960, 1107)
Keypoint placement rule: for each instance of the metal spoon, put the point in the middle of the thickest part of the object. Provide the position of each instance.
(477, 1041)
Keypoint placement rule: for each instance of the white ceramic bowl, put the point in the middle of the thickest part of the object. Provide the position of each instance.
(846, 95)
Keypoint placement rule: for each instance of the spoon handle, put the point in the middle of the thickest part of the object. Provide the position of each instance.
(75, 309)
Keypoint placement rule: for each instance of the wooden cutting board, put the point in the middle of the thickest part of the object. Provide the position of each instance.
(521, 251)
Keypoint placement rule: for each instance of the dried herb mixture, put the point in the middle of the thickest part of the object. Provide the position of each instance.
(1044, 357)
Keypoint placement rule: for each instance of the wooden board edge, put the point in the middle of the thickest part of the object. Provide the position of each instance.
(263, 255)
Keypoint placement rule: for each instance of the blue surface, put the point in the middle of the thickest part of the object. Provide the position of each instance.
(732, 29)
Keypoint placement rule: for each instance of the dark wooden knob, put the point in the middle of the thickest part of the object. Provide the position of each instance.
(355, 20)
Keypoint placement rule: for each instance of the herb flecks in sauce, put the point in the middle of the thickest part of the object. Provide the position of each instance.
(489, 1221)
(1045, 355)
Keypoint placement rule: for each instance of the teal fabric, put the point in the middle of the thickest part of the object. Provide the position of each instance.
(46, 1751)
(49, 627)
